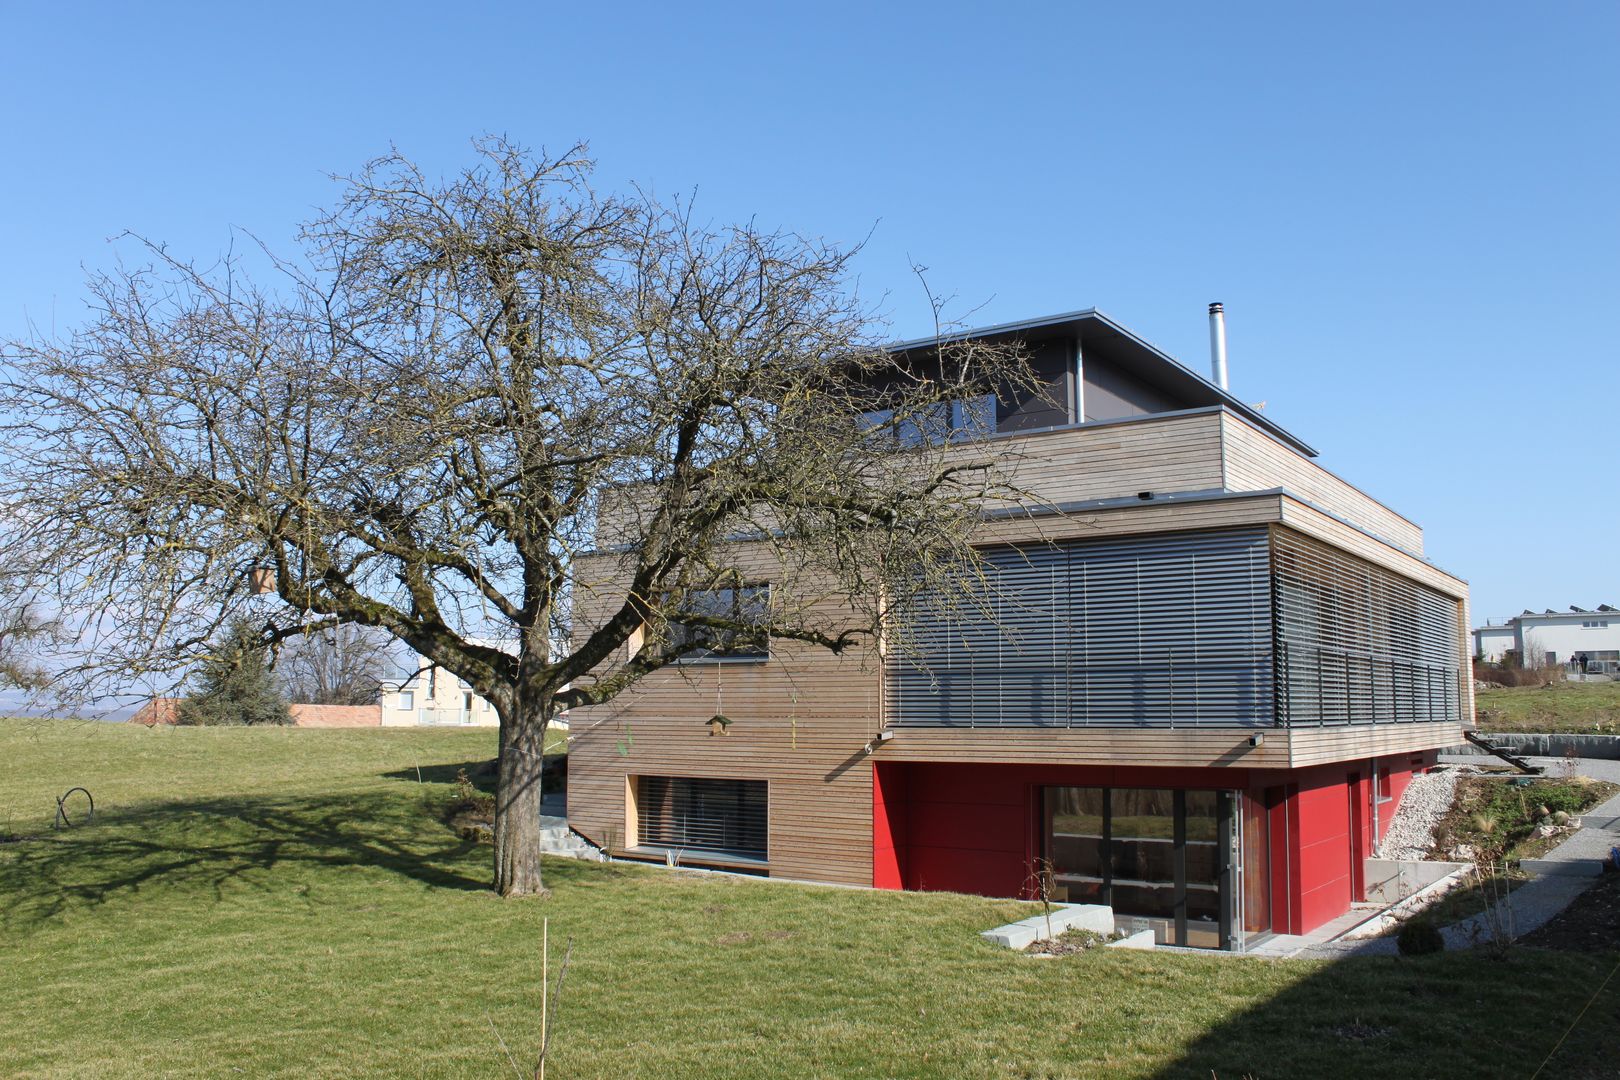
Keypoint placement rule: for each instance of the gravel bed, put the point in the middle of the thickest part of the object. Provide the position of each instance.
(1427, 798)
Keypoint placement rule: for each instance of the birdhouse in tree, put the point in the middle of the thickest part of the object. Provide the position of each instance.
(718, 723)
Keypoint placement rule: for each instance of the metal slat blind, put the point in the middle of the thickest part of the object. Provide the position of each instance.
(1162, 631)
(707, 814)
(1358, 644)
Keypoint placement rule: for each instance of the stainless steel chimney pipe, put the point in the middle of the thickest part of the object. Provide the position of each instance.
(1217, 342)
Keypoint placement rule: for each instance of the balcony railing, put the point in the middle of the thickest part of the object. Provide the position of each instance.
(1325, 686)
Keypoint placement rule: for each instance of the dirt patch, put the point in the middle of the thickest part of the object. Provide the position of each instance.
(1590, 924)
(743, 937)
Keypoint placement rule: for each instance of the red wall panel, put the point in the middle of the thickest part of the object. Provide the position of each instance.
(974, 828)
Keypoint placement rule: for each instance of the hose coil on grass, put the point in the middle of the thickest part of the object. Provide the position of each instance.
(63, 819)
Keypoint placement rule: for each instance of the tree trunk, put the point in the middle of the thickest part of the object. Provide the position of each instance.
(517, 804)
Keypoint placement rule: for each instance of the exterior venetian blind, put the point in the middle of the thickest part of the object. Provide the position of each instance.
(703, 814)
(1357, 644)
(1171, 630)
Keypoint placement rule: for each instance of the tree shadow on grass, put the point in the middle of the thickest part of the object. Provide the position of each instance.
(192, 849)
(481, 773)
(1468, 1013)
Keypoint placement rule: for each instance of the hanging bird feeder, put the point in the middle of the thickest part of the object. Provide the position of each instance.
(718, 723)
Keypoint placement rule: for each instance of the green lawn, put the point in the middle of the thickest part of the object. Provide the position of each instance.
(288, 903)
(1572, 708)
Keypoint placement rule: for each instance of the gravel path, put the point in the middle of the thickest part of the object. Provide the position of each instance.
(1426, 801)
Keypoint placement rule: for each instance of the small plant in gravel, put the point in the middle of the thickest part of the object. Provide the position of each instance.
(471, 813)
(1420, 937)
(1074, 940)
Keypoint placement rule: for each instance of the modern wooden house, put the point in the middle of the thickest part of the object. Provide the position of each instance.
(1220, 667)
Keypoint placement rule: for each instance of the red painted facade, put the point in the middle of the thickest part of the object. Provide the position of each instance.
(977, 828)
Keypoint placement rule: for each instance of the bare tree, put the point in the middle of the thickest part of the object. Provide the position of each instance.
(416, 430)
(342, 665)
(18, 627)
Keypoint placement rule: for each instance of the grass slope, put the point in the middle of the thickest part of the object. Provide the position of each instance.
(287, 903)
(1562, 707)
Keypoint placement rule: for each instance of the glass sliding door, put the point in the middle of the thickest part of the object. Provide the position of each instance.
(1076, 835)
(1142, 853)
(1163, 859)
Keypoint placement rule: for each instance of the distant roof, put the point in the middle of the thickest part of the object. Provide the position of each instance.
(1141, 358)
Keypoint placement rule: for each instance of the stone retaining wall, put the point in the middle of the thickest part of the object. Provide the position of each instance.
(1606, 747)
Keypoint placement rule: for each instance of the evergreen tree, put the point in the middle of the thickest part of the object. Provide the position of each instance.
(235, 685)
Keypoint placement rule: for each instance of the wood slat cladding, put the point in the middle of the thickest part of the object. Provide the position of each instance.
(1324, 746)
(801, 720)
(1111, 459)
(1313, 522)
(1199, 450)
(1122, 746)
(1252, 460)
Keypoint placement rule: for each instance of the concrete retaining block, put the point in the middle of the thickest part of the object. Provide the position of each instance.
(1142, 939)
(1391, 880)
(1098, 918)
(1606, 747)
(1562, 867)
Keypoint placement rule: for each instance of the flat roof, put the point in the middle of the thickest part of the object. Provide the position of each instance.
(1141, 358)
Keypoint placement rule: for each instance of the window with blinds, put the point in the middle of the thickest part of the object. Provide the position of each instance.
(1165, 631)
(1242, 627)
(702, 814)
(1357, 644)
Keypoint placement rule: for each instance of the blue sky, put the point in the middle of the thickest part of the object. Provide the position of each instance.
(1409, 211)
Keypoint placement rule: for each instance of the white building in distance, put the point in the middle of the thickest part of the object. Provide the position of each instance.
(1562, 637)
(433, 696)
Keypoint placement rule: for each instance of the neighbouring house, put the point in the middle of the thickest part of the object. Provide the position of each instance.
(1216, 669)
(431, 695)
(166, 710)
(1554, 637)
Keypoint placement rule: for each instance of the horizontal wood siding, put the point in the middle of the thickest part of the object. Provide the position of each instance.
(1146, 517)
(1281, 748)
(1111, 460)
(800, 721)
(1322, 746)
(1311, 521)
(1167, 748)
(1254, 461)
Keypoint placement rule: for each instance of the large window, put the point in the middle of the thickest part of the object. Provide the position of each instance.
(702, 815)
(1158, 857)
(739, 608)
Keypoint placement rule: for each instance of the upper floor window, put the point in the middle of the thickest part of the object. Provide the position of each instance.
(407, 700)
(1593, 624)
(742, 607)
(938, 423)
